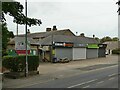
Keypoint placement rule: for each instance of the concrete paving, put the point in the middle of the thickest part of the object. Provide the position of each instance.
(50, 71)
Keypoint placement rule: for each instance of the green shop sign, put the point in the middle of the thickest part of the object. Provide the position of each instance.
(92, 46)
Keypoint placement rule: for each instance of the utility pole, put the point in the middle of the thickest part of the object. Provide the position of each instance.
(17, 29)
(52, 50)
(26, 63)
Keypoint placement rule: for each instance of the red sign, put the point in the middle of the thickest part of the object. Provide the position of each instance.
(22, 51)
(63, 44)
(69, 45)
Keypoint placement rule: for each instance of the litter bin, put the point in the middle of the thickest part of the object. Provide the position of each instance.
(54, 60)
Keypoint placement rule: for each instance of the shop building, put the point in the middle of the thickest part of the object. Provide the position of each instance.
(71, 47)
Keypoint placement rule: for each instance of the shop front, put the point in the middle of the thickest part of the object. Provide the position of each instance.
(92, 51)
(102, 50)
(79, 51)
(62, 50)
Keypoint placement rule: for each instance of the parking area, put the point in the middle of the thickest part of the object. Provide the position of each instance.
(45, 68)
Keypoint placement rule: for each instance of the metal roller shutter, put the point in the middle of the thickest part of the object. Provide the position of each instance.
(79, 53)
(63, 52)
(101, 52)
(92, 53)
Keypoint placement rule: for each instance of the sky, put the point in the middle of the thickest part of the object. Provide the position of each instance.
(98, 17)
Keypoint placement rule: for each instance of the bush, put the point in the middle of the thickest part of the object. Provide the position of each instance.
(17, 63)
(116, 51)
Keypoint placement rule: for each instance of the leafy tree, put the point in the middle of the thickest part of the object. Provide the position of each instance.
(11, 35)
(104, 39)
(6, 35)
(15, 9)
(115, 39)
(119, 7)
(96, 38)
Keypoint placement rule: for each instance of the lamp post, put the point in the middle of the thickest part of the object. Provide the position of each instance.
(26, 63)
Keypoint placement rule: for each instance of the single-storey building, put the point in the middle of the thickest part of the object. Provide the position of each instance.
(72, 47)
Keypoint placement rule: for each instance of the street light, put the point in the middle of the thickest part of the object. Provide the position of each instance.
(26, 63)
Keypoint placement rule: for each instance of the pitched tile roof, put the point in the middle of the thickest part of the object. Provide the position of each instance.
(45, 34)
(33, 42)
(112, 44)
(62, 38)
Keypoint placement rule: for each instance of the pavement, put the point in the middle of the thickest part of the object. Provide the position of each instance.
(51, 71)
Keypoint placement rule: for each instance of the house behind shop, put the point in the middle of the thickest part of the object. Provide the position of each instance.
(34, 39)
(111, 45)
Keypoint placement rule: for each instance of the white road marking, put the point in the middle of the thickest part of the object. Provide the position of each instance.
(112, 74)
(111, 78)
(100, 82)
(102, 68)
(82, 83)
(86, 86)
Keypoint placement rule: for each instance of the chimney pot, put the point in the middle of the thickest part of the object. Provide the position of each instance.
(28, 31)
(54, 28)
(48, 29)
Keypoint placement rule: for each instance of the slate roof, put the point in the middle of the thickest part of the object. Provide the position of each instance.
(45, 34)
(62, 38)
(32, 42)
(112, 44)
(42, 34)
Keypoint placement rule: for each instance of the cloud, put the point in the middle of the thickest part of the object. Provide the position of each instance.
(83, 16)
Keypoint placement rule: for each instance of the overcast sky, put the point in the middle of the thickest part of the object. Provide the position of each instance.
(97, 17)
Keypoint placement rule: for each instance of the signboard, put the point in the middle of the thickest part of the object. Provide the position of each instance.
(22, 52)
(80, 45)
(20, 45)
(92, 46)
(63, 44)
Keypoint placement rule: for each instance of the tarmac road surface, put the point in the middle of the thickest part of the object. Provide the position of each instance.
(106, 77)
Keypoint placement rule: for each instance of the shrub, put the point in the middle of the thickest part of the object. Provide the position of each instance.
(116, 51)
(17, 63)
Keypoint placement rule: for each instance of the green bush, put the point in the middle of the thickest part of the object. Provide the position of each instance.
(116, 51)
(17, 63)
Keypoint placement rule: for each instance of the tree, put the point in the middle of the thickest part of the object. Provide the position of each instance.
(115, 39)
(6, 35)
(104, 39)
(15, 9)
(96, 38)
(119, 7)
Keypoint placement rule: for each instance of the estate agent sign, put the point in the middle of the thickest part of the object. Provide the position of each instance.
(20, 45)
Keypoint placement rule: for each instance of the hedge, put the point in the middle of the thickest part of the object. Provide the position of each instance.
(116, 51)
(17, 63)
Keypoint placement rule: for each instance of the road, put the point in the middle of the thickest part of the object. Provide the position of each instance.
(106, 77)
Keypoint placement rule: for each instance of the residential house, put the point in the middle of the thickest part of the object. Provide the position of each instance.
(111, 45)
